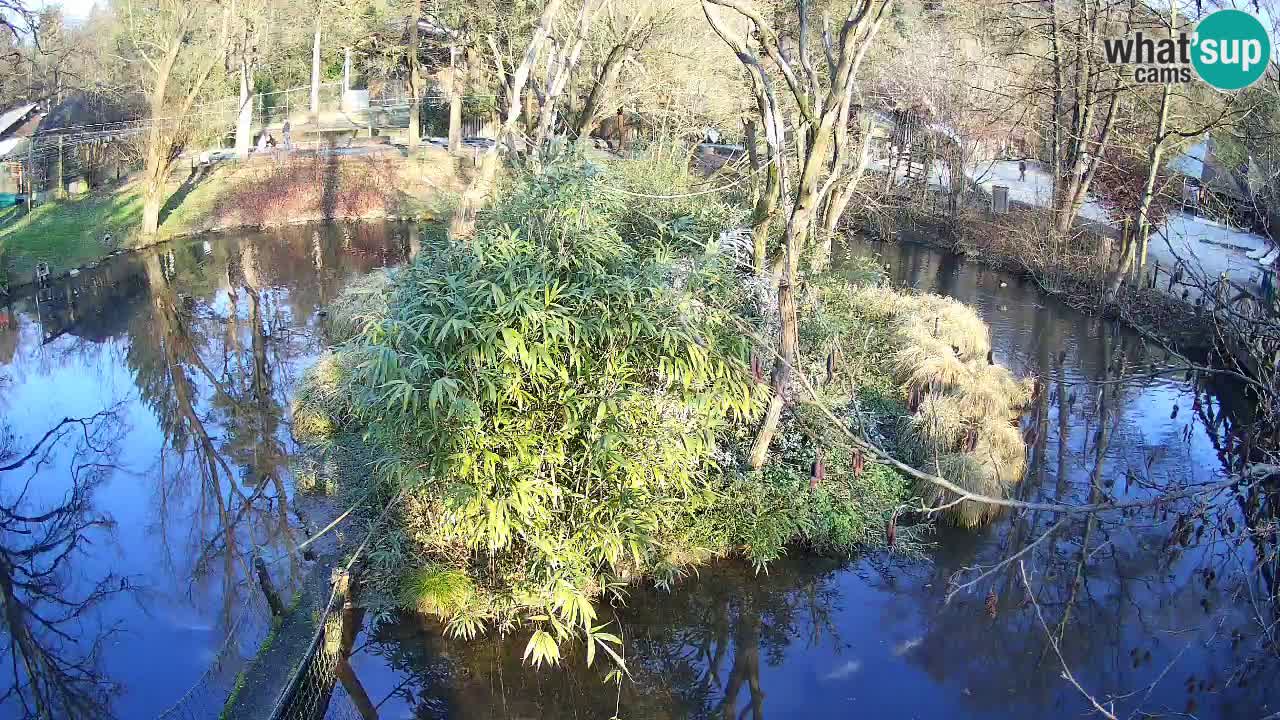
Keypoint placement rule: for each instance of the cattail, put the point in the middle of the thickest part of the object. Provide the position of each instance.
(819, 472)
(991, 360)
(756, 372)
(831, 366)
(891, 531)
(857, 463)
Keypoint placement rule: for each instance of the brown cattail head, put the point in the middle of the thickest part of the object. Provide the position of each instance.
(891, 532)
(831, 366)
(858, 462)
(756, 371)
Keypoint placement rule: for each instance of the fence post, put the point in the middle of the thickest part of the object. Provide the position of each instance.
(268, 589)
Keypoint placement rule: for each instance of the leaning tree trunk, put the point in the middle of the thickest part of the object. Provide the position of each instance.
(590, 114)
(1084, 168)
(839, 200)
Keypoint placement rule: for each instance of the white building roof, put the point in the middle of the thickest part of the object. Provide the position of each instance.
(12, 117)
(7, 145)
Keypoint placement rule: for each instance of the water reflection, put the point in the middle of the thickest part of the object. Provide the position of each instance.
(196, 348)
(49, 637)
(1160, 610)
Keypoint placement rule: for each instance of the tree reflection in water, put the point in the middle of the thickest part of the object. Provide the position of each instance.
(694, 653)
(51, 646)
(212, 335)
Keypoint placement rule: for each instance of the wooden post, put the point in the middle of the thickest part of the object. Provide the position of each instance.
(268, 589)
(31, 172)
(59, 193)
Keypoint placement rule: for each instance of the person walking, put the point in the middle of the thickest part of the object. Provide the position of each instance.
(287, 131)
(1022, 171)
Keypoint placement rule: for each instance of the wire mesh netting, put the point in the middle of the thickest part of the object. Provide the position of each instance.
(323, 686)
(206, 698)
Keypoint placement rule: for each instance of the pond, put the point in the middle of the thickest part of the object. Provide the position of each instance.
(157, 507)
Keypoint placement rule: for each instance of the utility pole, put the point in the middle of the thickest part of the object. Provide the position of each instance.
(414, 109)
(315, 71)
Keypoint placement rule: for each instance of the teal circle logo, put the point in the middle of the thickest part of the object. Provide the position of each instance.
(1231, 49)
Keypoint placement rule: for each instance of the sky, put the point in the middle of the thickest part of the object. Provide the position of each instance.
(77, 9)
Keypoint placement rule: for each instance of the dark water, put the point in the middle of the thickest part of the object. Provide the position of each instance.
(196, 350)
(814, 637)
(126, 539)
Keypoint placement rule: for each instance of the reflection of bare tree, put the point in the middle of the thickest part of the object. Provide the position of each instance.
(696, 652)
(43, 605)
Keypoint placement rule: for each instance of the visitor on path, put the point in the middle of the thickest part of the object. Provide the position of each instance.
(1022, 171)
(262, 142)
(287, 130)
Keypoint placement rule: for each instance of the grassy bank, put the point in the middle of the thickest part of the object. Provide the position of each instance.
(561, 408)
(70, 233)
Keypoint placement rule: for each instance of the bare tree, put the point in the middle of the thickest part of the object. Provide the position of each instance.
(177, 44)
(822, 104)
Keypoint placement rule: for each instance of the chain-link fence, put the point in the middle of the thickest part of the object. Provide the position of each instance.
(324, 687)
(206, 698)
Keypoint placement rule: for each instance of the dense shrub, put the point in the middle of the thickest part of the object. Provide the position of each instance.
(564, 402)
(550, 401)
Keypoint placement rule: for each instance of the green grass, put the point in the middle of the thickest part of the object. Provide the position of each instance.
(68, 233)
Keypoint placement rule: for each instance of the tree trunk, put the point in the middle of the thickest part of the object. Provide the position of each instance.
(780, 380)
(462, 223)
(590, 114)
(415, 109)
(315, 71)
(244, 123)
(455, 102)
(155, 173)
(1056, 108)
(840, 199)
(1085, 166)
(1134, 254)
